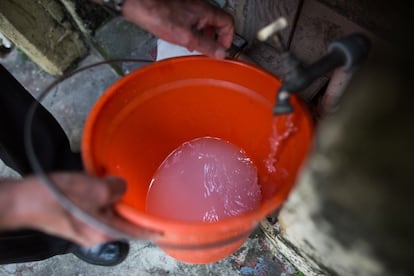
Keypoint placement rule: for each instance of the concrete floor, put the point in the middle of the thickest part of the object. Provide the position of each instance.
(70, 103)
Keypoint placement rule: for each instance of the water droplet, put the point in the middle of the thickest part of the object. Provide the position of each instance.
(278, 137)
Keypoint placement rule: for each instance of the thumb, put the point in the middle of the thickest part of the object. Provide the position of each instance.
(211, 48)
(116, 188)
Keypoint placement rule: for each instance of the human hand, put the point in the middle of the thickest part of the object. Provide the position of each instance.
(36, 207)
(185, 23)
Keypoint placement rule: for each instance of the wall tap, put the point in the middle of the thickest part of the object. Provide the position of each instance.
(347, 52)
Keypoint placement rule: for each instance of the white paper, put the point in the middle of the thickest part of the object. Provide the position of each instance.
(168, 50)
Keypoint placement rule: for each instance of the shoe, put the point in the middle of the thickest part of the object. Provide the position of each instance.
(108, 254)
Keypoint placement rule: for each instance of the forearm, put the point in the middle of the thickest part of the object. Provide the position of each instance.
(132, 8)
(11, 192)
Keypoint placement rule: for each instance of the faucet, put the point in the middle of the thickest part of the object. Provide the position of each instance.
(347, 52)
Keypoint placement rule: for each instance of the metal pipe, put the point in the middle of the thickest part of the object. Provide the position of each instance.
(347, 52)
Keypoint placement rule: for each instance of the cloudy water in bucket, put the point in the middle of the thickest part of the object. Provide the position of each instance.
(280, 135)
(206, 179)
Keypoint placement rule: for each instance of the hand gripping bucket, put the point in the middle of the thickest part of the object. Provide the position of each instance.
(147, 114)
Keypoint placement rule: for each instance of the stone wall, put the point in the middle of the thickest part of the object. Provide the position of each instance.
(43, 31)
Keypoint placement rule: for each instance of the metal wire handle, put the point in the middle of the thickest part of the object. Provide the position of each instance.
(66, 203)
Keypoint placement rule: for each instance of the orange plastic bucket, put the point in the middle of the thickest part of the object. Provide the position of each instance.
(147, 114)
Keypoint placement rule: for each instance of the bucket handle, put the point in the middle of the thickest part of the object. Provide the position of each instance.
(135, 232)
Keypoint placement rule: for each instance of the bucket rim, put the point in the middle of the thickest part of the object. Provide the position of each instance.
(152, 222)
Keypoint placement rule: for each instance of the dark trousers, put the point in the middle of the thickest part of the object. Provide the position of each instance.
(54, 154)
